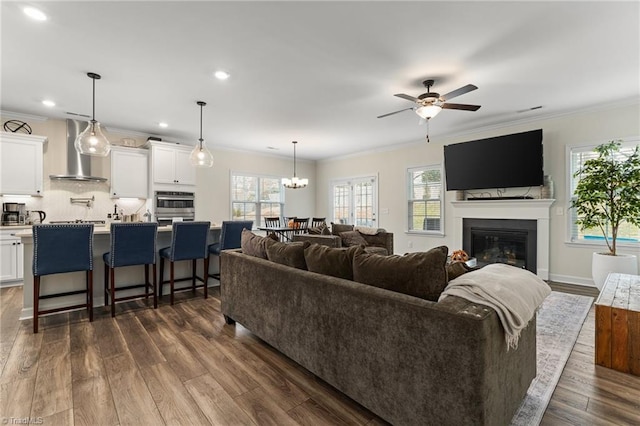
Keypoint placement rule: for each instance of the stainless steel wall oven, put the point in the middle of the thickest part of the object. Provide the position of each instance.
(173, 204)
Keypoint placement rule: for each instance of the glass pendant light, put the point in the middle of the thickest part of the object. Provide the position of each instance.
(428, 111)
(92, 141)
(201, 156)
(295, 182)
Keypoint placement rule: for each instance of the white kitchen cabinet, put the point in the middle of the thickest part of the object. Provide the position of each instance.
(21, 157)
(11, 257)
(129, 172)
(170, 164)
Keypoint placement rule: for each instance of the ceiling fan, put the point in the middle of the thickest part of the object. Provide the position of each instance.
(429, 104)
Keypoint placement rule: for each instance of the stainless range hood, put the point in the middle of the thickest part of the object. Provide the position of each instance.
(78, 165)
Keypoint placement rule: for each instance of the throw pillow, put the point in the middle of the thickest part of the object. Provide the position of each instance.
(290, 254)
(421, 274)
(319, 230)
(337, 228)
(353, 238)
(455, 269)
(254, 245)
(335, 262)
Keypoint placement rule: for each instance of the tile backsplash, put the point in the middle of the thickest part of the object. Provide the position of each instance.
(56, 201)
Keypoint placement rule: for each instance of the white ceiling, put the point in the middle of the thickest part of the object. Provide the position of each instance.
(316, 72)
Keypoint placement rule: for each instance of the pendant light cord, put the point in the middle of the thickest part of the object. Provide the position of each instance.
(294, 158)
(93, 116)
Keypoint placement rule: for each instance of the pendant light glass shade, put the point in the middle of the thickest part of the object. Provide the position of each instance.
(92, 141)
(200, 156)
(295, 182)
(428, 111)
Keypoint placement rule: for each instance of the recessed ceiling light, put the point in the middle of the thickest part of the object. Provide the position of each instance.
(221, 75)
(48, 103)
(163, 124)
(34, 13)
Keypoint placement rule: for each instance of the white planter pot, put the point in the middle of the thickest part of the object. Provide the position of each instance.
(603, 264)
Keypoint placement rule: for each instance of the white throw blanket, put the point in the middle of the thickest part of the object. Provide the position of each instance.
(515, 294)
(368, 230)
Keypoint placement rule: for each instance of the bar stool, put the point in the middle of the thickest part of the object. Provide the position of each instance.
(188, 242)
(230, 236)
(131, 244)
(60, 249)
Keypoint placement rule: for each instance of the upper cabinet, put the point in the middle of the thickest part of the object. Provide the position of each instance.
(129, 172)
(21, 164)
(170, 165)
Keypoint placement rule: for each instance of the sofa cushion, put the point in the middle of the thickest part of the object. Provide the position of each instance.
(353, 238)
(377, 250)
(335, 262)
(420, 274)
(290, 254)
(254, 245)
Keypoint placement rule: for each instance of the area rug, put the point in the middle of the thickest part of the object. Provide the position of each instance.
(560, 320)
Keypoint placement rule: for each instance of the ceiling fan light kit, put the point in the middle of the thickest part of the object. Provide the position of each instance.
(92, 140)
(295, 182)
(200, 156)
(428, 111)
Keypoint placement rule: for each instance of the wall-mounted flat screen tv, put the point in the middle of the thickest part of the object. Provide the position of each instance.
(500, 162)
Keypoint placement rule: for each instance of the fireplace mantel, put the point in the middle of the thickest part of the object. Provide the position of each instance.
(538, 210)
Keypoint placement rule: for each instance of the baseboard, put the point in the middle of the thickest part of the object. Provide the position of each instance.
(568, 279)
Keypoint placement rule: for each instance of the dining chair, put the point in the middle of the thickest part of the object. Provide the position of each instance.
(230, 237)
(131, 244)
(59, 249)
(301, 225)
(188, 242)
(318, 221)
(272, 222)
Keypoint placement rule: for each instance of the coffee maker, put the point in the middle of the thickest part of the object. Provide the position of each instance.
(13, 214)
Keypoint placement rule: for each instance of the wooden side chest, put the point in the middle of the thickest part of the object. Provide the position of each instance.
(618, 324)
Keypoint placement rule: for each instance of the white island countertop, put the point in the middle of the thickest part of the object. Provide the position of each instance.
(101, 230)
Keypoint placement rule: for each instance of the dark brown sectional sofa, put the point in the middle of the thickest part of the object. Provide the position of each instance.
(409, 360)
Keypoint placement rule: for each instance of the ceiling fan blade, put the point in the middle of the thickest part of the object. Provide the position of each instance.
(395, 112)
(461, 91)
(407, 97)
(463, 107)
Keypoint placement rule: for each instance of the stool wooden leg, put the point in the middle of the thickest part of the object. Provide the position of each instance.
(90, 294)
(155, 287)
(106, 285)
(112, 286)
(205, 277)
(161, 277)
(171, 270)
(36, 299)
(193, 276)
(146, 283)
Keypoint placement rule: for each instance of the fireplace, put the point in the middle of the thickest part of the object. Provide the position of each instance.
(534, 210)
(510, 241)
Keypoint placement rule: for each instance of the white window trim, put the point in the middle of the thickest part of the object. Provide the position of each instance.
(233, 173)
(408, 171)
(569, 149)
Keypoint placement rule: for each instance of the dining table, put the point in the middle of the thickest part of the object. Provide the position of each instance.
(284, 233)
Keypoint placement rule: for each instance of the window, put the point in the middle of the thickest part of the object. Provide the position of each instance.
(256, 197)
(425, 200)
(354, 201)
(627, 233)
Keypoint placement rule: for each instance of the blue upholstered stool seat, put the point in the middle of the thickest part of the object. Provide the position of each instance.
(230, 238)
(131, 244)
(60, 249)
(188, 242)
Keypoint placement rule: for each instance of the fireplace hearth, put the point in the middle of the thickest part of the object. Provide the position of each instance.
(509, 241)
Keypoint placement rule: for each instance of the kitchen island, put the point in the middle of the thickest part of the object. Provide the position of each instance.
(76, 280)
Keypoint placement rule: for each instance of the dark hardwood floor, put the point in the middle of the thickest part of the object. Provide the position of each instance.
(181, 365)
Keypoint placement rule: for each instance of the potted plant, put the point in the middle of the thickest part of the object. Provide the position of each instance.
(607, 195)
